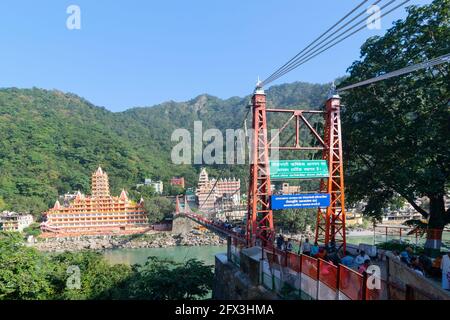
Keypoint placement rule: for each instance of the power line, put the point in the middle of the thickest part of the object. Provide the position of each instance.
(427, 64)
(312, 53)
(329, 29)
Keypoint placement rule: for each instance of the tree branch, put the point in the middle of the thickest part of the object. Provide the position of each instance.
(411, 201)
(396, 189)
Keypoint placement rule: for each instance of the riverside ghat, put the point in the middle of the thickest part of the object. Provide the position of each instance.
(147, 240)
(184, 233)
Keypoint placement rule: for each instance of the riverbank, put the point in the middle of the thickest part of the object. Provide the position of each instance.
(148, 240)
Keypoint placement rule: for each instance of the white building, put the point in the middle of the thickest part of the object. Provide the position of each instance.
(158, 186)
(12, 221)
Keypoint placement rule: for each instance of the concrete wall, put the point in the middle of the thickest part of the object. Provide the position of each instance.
(421, 288)
(182, 225)
(232, 283)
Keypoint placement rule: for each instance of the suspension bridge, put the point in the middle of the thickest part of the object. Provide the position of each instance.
(336, 280)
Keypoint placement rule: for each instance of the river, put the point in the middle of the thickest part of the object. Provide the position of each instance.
(181, 254)
(177, 254)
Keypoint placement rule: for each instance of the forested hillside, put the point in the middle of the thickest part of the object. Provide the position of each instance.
(52, 141)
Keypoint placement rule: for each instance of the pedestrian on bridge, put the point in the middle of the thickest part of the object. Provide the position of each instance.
(314, 249)
(306, 247)
(445, 266)
(361, 258)
(280, 241)
(288, 245)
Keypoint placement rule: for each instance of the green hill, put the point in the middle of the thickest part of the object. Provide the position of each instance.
(52, 141)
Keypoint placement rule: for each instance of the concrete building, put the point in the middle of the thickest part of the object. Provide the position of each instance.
(158, 186)
(177, 181)
(13, 221)
(288, 189)
(190, 195)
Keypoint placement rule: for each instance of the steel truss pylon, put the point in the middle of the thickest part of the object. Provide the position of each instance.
(259, 215)
(331, 222)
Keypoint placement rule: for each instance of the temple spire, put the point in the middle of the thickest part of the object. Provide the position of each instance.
(57, 205)
(100, 184)
(123, 195)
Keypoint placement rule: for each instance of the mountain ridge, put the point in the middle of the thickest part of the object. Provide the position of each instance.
(54, 140)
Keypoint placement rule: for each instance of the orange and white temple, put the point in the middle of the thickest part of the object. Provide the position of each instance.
(98, 213)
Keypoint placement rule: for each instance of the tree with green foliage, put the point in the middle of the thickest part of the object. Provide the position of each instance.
(165, 280)
(295, 220)
(99, 280)
(2, 204)
(144, 192)
(24, 272)
(396, 131)
(159, 208)
(173, 190)
(27, 274)
(32, 230)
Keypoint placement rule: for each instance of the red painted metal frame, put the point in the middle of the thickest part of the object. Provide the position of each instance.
(331, 222)
(259, 214)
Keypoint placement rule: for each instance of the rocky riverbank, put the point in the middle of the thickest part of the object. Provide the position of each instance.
(147, 240)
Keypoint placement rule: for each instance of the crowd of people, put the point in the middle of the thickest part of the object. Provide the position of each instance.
(424, 266)
(328, 253)
(421, 264)
(229, 226)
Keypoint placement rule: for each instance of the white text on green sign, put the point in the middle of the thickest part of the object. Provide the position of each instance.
(298, 169)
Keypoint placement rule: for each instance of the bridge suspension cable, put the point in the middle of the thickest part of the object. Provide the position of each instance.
(319, 37)
(222, 171)
(426, 64)
(327, 43)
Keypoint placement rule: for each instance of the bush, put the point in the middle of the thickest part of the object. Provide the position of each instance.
(33, 230)
(399, 246)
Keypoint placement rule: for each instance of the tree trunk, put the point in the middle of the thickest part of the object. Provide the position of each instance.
(436, 224)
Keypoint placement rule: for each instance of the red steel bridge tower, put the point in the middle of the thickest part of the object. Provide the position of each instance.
(331, 222)
(259, 214)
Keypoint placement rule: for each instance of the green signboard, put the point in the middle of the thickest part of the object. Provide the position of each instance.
(298, 169)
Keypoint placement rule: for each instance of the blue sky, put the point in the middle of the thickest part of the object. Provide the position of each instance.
(139, 53)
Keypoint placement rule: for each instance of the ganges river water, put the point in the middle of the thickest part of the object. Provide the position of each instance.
(181, 254)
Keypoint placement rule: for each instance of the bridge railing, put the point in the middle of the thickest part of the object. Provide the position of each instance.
(295, 276)
(237, 244)
(404, 234)
(238, 241)
(351, 284)
(218, 227)
(303, 277)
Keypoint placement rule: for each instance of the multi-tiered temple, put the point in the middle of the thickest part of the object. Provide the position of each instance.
(217, 195)
(99, 212)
